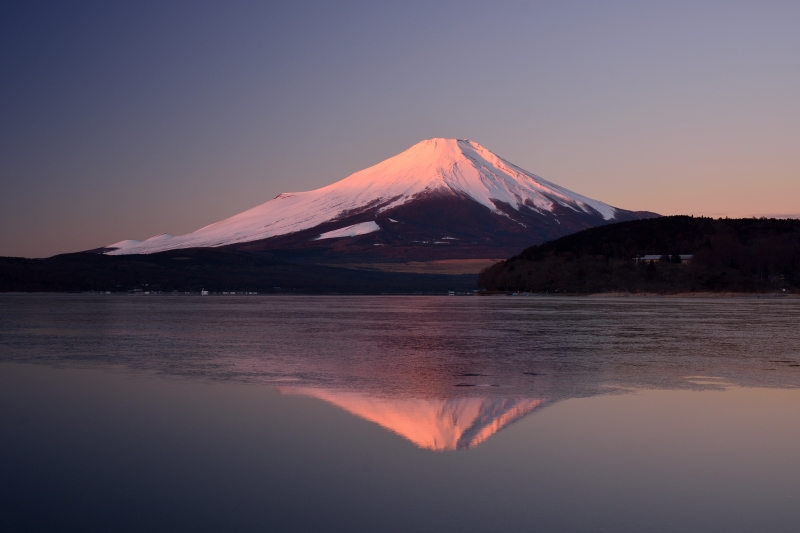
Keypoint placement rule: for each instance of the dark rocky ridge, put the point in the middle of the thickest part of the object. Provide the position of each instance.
(434, 227)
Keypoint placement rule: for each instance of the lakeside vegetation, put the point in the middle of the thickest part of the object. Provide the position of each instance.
(729, 255)
(211, 269)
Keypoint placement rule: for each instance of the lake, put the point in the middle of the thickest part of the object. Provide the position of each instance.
(398, 413)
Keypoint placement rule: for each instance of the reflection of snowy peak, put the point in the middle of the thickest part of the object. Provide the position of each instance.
(432, 424)
(432, 169)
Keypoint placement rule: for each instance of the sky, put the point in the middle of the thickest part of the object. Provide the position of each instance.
(123, 120)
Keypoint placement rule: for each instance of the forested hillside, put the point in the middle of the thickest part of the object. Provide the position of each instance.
(741, 255)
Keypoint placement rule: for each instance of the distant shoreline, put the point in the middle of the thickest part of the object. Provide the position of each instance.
(609, 295)
(687, 294)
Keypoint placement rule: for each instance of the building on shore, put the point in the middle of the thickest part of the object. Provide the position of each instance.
(684, 258)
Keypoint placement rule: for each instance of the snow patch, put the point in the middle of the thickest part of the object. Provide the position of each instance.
(124, 245)
(350, 231)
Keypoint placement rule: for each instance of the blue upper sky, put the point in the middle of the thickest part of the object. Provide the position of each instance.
(126, 119)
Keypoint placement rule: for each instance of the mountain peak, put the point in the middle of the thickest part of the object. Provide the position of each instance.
(438, 167)
(431, 152)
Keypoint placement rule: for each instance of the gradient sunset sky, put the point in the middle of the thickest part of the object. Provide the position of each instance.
(128, 119)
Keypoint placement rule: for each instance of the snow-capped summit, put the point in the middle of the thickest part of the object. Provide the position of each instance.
(434, 171)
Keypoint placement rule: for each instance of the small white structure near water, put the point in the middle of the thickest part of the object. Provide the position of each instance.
(685, 258)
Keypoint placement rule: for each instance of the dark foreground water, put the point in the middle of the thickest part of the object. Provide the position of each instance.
(179, 413)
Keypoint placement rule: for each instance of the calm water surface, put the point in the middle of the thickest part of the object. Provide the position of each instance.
(179, 413)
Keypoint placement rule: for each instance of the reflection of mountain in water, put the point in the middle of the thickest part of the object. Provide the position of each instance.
(429, 369)
(434, 424)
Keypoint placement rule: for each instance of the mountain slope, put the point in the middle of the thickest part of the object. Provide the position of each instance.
(487, 199)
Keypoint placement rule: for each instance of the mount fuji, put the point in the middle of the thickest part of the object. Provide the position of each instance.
(439, 199)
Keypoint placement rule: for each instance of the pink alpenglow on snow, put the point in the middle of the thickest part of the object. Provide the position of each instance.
(350, 231)
(124, 245)
(453, 167)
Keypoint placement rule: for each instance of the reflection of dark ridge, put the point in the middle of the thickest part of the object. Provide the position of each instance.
(491, 412)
